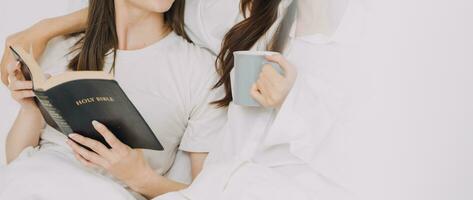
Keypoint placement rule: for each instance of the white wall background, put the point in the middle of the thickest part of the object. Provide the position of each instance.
(414, 138)
(15, 15)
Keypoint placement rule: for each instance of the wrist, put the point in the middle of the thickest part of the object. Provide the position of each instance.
(140, 181)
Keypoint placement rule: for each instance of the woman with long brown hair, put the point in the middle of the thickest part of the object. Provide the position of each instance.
(263, 25)
(144, 45)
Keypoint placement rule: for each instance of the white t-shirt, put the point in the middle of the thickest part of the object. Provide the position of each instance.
(170, 84)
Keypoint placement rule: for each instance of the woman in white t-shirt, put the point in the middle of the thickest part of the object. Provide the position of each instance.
(246, 127)
(168, 79)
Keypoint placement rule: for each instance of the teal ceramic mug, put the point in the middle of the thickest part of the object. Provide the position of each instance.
(246, 71)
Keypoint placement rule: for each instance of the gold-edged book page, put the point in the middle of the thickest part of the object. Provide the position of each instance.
(72, 76)
(41, 84)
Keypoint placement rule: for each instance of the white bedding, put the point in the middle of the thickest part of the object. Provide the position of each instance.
(59, 176)
(56, 176)
(253, 181)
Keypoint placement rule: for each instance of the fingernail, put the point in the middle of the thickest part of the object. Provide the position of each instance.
(95, 123)
(73, 135)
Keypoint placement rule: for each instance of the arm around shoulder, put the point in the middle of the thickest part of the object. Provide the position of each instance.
(36, 37)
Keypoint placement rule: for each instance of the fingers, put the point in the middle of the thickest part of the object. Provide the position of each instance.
(95, 145)
(269, 73)
(271, 88)
(7, 62)
(84, 161)
(267, 92)
(269, 70)
(14, 72)
(13, 67)
(20, 85)
(255, 93)
(88, 155)
(264, 85)
(279, 59)
(20, 89)
(289, 70)
(11, 78)
(23, 94)
(102, 156)
(109, 136)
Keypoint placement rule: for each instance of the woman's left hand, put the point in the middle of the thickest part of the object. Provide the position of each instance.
(272, 88)
(121, 161)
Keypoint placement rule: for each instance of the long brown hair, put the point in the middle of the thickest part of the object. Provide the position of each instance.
(244, 35)
(100, 36)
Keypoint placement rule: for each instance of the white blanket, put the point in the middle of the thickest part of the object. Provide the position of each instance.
(252, 181)
(47, 173)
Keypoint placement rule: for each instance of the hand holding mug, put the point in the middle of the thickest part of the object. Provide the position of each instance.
(272, 88)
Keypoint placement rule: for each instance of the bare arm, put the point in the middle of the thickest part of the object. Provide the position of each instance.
(68, 24)
(25, 132)
(29, 122)
(197, 163)
(38, 35)
(27, 127)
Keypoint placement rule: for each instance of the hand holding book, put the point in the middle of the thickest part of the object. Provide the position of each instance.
(121, 161)
(69, 101)
(21, 90)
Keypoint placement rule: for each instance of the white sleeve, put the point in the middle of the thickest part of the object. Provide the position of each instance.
(205, 120)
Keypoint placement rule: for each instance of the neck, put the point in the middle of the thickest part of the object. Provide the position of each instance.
(137, 28)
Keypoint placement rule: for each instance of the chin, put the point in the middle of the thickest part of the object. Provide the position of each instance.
(160, 6)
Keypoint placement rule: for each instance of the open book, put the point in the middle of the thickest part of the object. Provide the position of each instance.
(70, 101)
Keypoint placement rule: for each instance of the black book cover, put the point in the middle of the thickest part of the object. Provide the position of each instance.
(70, 102)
